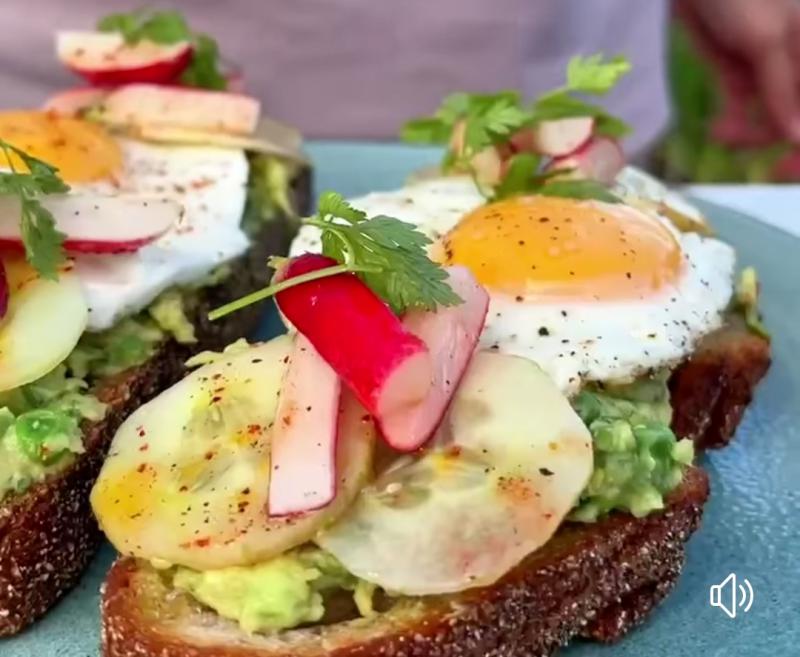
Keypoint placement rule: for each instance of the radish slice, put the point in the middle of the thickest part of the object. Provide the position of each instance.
(72, 102)
(562, 136)
(303, 451)
(103, 58)
(600, 159)
(3, 291)
(97, 224)
(387, 368)
(451, 335)
(180, 107)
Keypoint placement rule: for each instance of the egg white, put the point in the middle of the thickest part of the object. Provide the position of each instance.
(575, 340)
(211, 184)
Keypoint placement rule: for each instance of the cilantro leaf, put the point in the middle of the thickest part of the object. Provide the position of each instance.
(168, 27)
(520, 176)
(333, 204)
(594, 75)
(426, 131)
(204, 71)
(578, 189)
(386, 253)
(43, 242)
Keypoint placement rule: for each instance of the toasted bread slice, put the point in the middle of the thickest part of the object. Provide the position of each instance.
(572, 585)
(48, 534)
(595, 581)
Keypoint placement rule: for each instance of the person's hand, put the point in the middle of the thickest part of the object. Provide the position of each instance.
(754, 46)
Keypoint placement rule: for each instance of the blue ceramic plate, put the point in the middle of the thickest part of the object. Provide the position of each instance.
(751, 525)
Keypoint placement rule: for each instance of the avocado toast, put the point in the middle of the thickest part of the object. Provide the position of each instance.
(116, 310)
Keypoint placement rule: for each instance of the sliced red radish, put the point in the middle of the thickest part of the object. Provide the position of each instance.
(103, 58)
(561, 136)
(303, 449)
(181, 107)
(600, 159)
(72, 102)
(97, 224)
(451, 335)
(387, 368)
(3, 291)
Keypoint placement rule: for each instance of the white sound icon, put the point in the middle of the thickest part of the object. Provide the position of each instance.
(741, 595)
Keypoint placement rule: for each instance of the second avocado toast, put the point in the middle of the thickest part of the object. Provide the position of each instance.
(130, 238)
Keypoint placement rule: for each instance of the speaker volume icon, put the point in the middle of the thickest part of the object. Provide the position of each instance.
(730, 595)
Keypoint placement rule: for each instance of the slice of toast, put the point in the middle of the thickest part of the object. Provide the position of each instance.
(595, 581)
(48, 534)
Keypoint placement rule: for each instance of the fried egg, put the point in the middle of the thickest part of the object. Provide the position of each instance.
(209, 182)
(589, 291)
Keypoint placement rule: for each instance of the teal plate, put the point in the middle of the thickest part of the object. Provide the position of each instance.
(751, 525)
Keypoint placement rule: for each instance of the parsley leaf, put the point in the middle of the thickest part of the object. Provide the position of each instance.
(593, 75)
(43, 242)
(560, 105)
(386, 253)
(168, 27)
(520, 176)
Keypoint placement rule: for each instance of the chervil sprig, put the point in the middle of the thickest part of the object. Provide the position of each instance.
(386, 253)
(43, 242)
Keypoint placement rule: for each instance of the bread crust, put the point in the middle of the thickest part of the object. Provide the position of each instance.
(712, 389)
(578, 584)
(48, 535)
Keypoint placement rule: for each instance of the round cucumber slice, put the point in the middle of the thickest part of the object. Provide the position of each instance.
(187, 478)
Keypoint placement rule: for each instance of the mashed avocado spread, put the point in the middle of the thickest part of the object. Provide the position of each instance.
(278, 594)
(40, 427)
(637, 457)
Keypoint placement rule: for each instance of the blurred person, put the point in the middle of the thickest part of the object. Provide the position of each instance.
(359, 68)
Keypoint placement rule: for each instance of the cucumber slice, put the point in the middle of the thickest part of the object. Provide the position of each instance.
(44, 322)
(507, 465)
(187, 478)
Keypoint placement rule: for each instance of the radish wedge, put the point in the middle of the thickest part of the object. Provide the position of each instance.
(43, 323)
(600, 159)
(103, 58)
(451, 335)
(3, 291)
(303, 450)
(138, 105)
(387, 368)
(71, 102)
(97, 224)
(562, 136)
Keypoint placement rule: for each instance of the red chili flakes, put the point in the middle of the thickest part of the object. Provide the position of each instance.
(202, 542)
(215, 399)
(209, 455)
(142, 467)
(254, 429)
(145, 447)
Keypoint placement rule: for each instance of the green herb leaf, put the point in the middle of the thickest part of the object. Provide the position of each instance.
(520, 176)
(204, 70)
(43, 243)
(386, 253)
(593, 75)
(561, 105)
(426, 131)
(168, 27)
(578, 189)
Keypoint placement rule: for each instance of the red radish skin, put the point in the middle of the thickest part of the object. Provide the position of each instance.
(387, 368)
(97, 224)
(71, 102)
(104, 59)
(3, 291)
(303, 451)
(451, 335)
(600, 159)
(561, 136)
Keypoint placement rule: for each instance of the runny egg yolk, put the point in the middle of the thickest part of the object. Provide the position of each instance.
(558, 247)
(81, 151)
